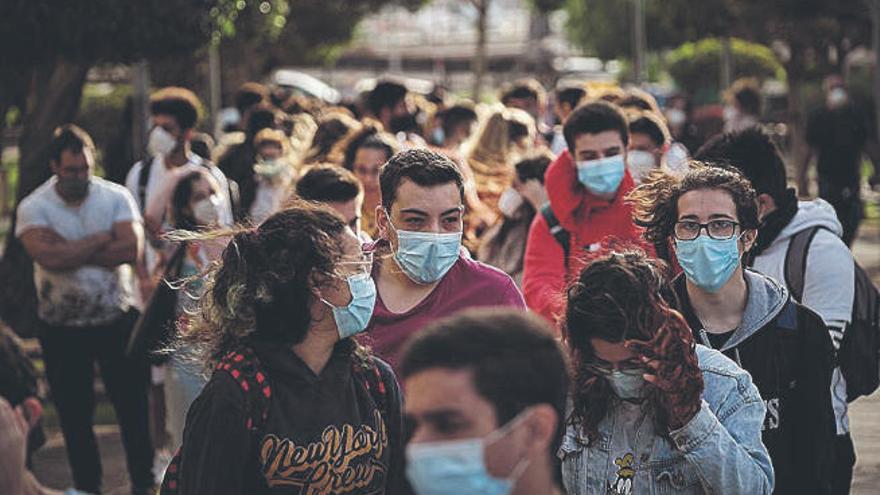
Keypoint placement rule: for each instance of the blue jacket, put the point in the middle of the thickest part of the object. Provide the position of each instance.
(718, 451)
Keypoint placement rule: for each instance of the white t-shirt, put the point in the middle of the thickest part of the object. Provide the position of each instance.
(88, 295)
(159, 175)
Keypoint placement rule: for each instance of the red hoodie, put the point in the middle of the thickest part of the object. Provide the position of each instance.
(588, 220)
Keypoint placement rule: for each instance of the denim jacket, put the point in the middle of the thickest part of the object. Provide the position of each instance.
(718, 451)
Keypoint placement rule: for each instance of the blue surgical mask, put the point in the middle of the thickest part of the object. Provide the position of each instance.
(602, 176)
(458, 467)
(708, 263)
(426, 257)
(354, 318)
(627, 384)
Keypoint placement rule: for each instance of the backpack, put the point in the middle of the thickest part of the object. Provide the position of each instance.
(246, 370)
(557, 231)
(859, 355)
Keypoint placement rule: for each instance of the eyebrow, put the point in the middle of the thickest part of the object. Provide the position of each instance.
(442, 414)
(414, 211)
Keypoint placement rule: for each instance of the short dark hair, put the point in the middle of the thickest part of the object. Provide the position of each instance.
(523, 89)
(747, 94)
(571, 95)
(369, 136)
(594, 118)
(262, 116)
(250, 94)
(456, 115)
(386, 94)
(424, 167)
(752, 152)
(202, 144)
(180, 103)
(639, 99)
(72, 138)
(515, 359)
(533, 166)
(328, 183)
(648, 123)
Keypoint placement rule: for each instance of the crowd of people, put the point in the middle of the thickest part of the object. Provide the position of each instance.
(416, 294)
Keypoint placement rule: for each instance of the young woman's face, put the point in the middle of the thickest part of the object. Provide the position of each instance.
(366, 167)
(203, 193)
(353, 262)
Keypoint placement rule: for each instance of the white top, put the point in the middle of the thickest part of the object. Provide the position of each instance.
(829, 280)
(88, 295)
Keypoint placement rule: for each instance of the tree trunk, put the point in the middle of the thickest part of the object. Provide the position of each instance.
(53, 99)
(797, 120)
(479, 62)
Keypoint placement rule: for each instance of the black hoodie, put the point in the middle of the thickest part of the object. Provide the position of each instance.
(324, 434)
(787, 350)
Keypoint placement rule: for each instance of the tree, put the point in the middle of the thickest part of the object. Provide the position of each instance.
(695, 66)
(65, 39)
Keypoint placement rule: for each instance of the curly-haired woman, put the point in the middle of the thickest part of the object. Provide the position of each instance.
(650, 411)
(294, 405)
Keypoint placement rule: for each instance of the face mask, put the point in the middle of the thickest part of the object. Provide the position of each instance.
(206, 211)
(425, 257)
(837, 97)
(603, 176)
(708, 263)
(676, 117)
(459, 467)
(269, 168)
(730, 113)
(438, 136)
(73, 189)
(353, 318)
(509, 202)
(161, 142)
(628, 384)
(640, 164)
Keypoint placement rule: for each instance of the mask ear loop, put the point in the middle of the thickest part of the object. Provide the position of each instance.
(523, 463)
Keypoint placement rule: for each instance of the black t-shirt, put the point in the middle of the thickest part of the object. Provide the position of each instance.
(323, 433)
(719, 339)
(838, 137)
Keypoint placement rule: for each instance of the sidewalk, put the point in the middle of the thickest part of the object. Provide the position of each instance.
(50, 463)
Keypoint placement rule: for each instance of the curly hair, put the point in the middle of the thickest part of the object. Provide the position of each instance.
(655, 202)
(332, 127)
(262, 287)
(619, 297)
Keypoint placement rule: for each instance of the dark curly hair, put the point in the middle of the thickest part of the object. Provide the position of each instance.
(655, 202)
(619, 297)
(262, 287)
(332, 128)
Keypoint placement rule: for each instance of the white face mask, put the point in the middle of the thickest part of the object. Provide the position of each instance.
(640, 163)
(206, 212)
(161, 142)
(676, 117)
(509, 202)
(837, 97)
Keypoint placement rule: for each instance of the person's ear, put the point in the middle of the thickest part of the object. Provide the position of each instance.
(382, 223)
(187, 135)
(540, 428)
(766, 204)
(33, 410)
(54, 166)
(748, 239)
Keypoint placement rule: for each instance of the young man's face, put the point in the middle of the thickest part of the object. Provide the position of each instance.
(642, 142)
(169, 123)
(432, 209)
(74, 165)
(596, 146)
(351, 211)
(443, 405)
(710, 205)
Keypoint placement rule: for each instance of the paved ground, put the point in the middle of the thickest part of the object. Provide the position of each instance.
(50, 463)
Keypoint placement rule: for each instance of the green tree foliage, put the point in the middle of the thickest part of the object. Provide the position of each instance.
(696, 65)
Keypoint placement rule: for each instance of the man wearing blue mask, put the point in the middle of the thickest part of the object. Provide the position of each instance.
(423, 273)
(586, 186)
(486, 394)
(711, 216)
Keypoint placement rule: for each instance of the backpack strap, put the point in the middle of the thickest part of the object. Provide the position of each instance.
(562, 236)
(244, 367)
(796, 260)
(143, 178)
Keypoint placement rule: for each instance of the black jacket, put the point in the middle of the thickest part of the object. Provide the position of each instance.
(323, 433)
(787, 350)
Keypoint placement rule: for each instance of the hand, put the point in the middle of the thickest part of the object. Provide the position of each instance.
(533, 192)
(13, 443)
(673, 368)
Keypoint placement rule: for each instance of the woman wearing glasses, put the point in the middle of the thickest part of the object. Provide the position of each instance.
(651, 412)
(294, 405)
(710, 214)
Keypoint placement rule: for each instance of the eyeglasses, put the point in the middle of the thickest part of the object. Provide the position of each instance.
(605, 369)
(720, 230)
(357, 265)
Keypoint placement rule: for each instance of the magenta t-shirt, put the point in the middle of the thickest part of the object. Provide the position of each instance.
(468, 284)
